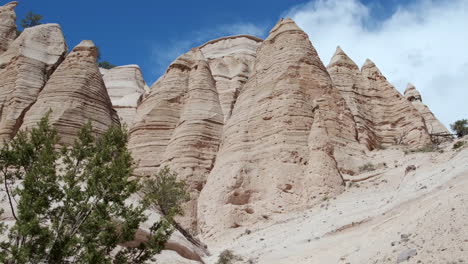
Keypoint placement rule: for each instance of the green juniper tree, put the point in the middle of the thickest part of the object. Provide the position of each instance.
(101, 63)
(31, 20)
(460, 127)
(72, 204)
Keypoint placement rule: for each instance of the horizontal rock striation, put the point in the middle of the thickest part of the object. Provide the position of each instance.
(434, 126)
(76, 94)
(7, 25)
(24, 70)
(231, 62)
(277, 151)
(126, 86)
(179, 124)
(383, 116)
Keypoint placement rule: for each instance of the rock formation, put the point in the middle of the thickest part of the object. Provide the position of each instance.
(24, 70)
(231, 62)
(7, 25)
(179, 125)
(434, 126)
(382, 114)
(277, 149)
(125, 85)
(76, 94)
(256, 128)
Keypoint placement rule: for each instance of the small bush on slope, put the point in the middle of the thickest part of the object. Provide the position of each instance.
(71, 200)
(228, 257)
(458, 145)
(367, 167)
(165, 192)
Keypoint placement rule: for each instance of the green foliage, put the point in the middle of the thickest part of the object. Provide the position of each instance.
(106, 65)
(367, 167)
(228, 257)
(73, 204)
(460, 127)
(425, 149)
(166, 193)
(458, 145)
(31, 20)
(103, 64)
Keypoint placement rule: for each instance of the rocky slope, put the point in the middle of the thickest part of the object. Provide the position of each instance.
(270, 141)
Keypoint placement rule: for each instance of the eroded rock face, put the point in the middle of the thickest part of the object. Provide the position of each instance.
(434, 126)
(231, 61)
(76, 94)
(382, 114)
(24, 70)
(179, 125)
(277, 152)
(7, 25)
(125, 85)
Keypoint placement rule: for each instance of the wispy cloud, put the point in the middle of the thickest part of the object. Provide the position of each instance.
(163, 55)
(423, 42)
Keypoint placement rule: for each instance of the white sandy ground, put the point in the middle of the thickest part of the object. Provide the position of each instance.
(374, 220)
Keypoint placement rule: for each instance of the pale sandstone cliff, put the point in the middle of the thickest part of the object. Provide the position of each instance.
(179, 125)
(126, 86)
(277, 149)
(25, 69)
(231, 61)
(76, 94)
(396, 121)
(434, 126)
(7, 25)
(259, 129)
(382, 115)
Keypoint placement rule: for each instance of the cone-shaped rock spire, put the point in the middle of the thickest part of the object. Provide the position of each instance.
(341, 59)
(434, 126)
(76, 94)
(26, 67)
(262, 165)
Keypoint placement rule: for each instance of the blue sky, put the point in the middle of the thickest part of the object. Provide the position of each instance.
(419, 41)
(151, 33)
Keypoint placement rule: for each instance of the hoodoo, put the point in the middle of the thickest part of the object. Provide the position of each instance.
(25, 68)
(75, 94)
(383, 117)
(434, 126)
(264, 162)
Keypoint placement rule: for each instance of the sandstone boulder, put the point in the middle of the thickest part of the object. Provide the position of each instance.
(434, 126)
(126, 86)
(277, 151)
(7, 25)
(24, 70)
(76, 94)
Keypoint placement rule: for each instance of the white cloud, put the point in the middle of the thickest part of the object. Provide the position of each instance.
(424, 42)
(164, 55)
